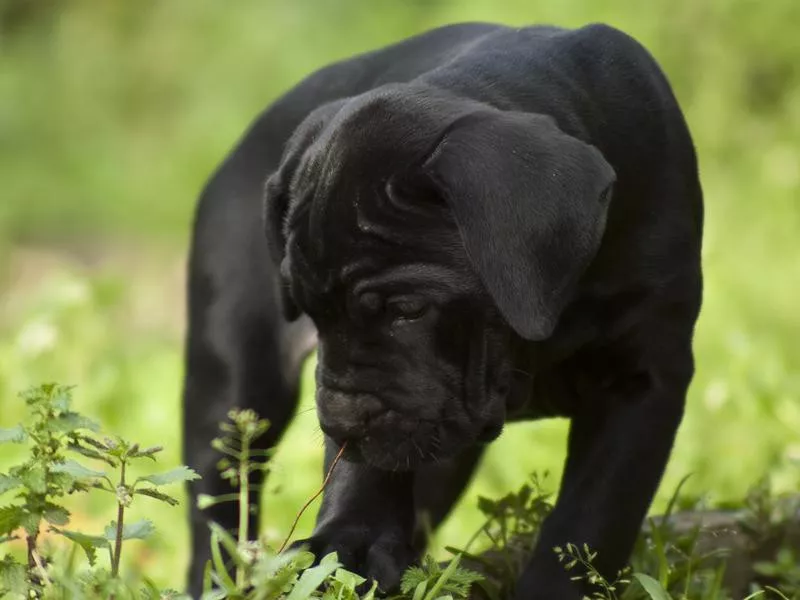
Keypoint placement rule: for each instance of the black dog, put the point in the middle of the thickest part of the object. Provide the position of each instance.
(480, 224)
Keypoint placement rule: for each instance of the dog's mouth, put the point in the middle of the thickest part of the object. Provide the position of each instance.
(399, 445)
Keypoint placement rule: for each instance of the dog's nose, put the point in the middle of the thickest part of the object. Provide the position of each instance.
(345, 416)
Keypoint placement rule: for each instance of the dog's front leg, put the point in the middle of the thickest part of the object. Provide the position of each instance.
(618, 448)
(367, 517)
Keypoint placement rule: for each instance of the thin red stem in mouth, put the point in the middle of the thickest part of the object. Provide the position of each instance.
(314, 497)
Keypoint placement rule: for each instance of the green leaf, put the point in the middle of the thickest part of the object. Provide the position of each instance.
(8, 483)
(312, 578)
(16, 434)
(157, 495)
(207, 580)
(229, 543)
(182, 473)
(33, 478)
(147, 452)
(56, 515)
(349, 579)
(411, 578)
(72, 421)
(30, 521)
(651, 586)
(220, 569)
(91, 453)
(77, 470)
(89, 543)
(419, 590)
(10, 518)
(12, 576)
(138, 530)
(443, 578)
(370, 595)
(61, 395)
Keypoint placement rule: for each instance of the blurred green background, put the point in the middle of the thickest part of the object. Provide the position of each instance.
(113, 114)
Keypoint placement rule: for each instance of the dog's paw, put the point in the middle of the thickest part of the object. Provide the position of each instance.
(381, 555)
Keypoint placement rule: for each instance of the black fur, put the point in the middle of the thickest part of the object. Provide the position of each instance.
(480, 224)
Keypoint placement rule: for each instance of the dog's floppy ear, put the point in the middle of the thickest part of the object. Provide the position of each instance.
(277, 193)
(530, 203)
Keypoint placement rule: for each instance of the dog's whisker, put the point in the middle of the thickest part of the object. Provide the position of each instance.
(419, 450)
(522, 372)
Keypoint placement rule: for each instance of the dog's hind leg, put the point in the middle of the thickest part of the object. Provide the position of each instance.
(240, 352)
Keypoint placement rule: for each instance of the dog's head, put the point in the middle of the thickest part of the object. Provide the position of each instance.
(426, 237)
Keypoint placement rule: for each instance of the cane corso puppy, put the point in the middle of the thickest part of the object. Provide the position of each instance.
(475, 225)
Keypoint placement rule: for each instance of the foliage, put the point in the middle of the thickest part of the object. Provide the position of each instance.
(54, 432)
(245, 569)
(113, 115)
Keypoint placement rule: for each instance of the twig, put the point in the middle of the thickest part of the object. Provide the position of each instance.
(38, 560)
(120, 525)
(314, 497)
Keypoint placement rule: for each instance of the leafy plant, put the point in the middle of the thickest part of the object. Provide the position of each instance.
(54, 432)
(42, 479)
(579, 560)
(667, 564)
(431, 581)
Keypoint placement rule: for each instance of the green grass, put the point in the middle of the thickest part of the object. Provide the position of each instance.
(113, 115)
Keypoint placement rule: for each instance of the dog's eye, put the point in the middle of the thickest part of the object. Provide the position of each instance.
(370, 302)
(409, 308)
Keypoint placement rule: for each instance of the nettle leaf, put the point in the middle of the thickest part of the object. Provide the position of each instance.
(12, 576)
(71, 421)
(91, 453)
(68, 483)
(10, 518)
(30, 522)
(138, 530)
(153, 493)
(182, 473)
(16, 434)
(35, 480)
(87, 439)
(56, 515)
(62, 396)
(411, 579)
(77, 470)
(146, 452)
(89, 543)
(8, 483)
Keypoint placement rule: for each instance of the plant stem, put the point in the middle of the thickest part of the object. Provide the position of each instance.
(42, 571)
(120, 524)
(30, 540)
(314, 497)
(244, 504)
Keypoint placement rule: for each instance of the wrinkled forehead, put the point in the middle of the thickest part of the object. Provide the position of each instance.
(376, 226)
(355, 193)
